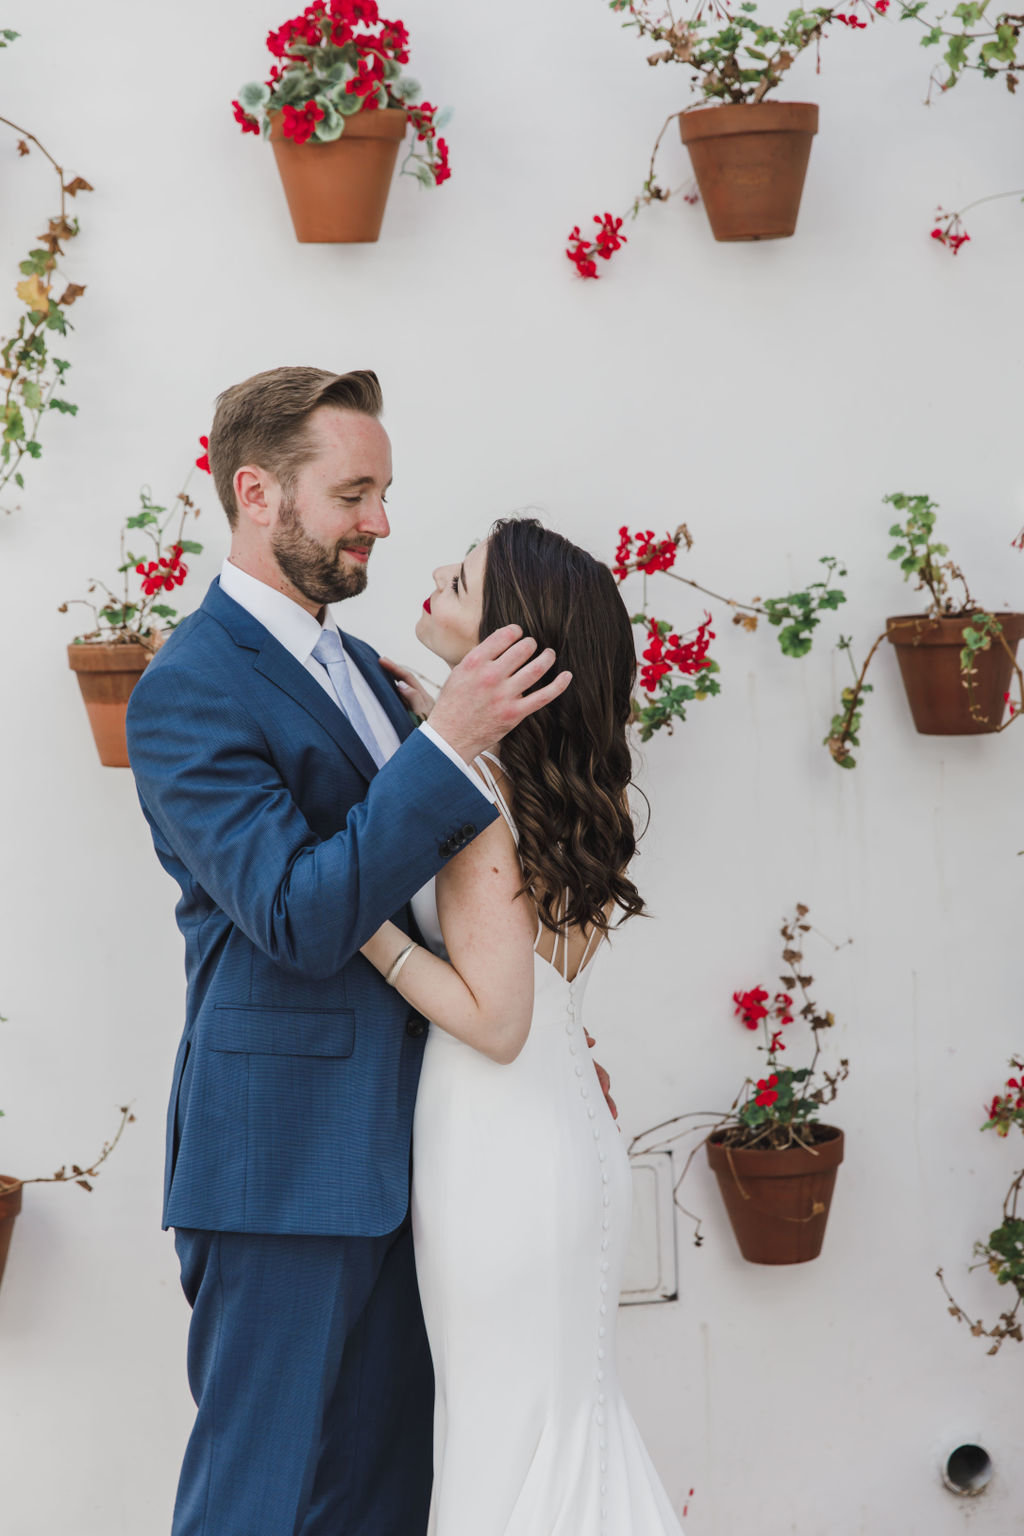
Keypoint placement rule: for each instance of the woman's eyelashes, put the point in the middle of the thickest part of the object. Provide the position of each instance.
(455, 583)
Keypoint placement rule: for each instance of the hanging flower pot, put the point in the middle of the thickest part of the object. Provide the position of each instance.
(106, 675)
(928, 651)
(335, 109)
(778, 1202)
(10, 1205)
(337, 192)
(750, 160)
(129, 625)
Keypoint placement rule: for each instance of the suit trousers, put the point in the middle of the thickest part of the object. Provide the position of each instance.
(309, 1365)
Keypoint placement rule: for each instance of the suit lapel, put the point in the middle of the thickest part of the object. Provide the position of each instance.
(276, 664)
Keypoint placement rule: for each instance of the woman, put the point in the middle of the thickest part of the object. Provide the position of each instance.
(521, 1188)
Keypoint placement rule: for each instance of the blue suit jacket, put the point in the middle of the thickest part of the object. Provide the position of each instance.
(291, 1105)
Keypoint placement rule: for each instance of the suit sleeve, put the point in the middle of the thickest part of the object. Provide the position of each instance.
(207, 781)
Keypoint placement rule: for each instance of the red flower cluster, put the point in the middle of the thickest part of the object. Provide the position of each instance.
(649, 557)
(298, 123)
(767, 1092)
(667, 651)
(881, 6)
(248, 124)
(952, 233)
(302, 29)
(337, 22)
(848, 21)
(203, 462)
(369, 76)
(753, 1009)
(163, 574)
(606, 242)
(422, 119)
(1005, 1106)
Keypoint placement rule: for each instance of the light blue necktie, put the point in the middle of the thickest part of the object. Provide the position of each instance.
(330, 652)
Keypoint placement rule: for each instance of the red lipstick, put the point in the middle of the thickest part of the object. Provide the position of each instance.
(426, 605)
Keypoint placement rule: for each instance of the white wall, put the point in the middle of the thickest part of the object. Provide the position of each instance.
(770, 394)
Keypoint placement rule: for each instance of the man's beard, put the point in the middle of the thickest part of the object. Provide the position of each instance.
(315, 569)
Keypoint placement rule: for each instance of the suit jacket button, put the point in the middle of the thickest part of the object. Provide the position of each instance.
(445, 849)
(415, 1026)
(469, 831)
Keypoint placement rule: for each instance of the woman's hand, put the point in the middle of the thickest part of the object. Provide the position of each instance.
(414, 695)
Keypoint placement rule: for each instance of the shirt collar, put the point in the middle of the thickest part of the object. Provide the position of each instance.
(288, 622)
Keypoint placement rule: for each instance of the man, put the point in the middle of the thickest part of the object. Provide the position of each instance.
(296, 806)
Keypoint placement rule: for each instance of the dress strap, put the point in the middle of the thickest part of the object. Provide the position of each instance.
(586, 953)
(492, 784)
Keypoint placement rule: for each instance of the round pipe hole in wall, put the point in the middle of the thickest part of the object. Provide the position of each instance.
(967, 1471)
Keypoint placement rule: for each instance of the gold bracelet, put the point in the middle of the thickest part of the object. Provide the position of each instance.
(400, 960)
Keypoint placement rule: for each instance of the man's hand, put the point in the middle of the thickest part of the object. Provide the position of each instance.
(603, 1078)
(414, 695)
(483, 698)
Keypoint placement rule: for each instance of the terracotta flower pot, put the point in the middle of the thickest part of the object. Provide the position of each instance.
(750, 163)
(928, 651)
(10, 1205)
(778, 1202)
(337, 192)
(106, 675)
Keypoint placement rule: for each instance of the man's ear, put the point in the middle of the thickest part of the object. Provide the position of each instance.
(255, 494)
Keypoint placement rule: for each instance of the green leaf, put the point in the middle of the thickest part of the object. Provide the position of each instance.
(31, 394)
(190, 547)
(253, 96)
(332, 124)
(934, 36)
(163, 611)
(64, 406)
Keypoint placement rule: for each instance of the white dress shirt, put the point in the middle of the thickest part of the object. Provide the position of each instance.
(298, 631)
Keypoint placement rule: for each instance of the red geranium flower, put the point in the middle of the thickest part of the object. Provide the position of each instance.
(440, 168)
(767, 1092)
(299, 123)
(203, 462)
(750, 1006)
(248, 124)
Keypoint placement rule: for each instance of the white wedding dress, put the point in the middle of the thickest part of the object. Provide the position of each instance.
(521, 1215)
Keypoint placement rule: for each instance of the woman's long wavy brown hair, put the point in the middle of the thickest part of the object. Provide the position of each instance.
(569, 764)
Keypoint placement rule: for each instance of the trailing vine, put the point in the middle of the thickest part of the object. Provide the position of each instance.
(31, 375)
